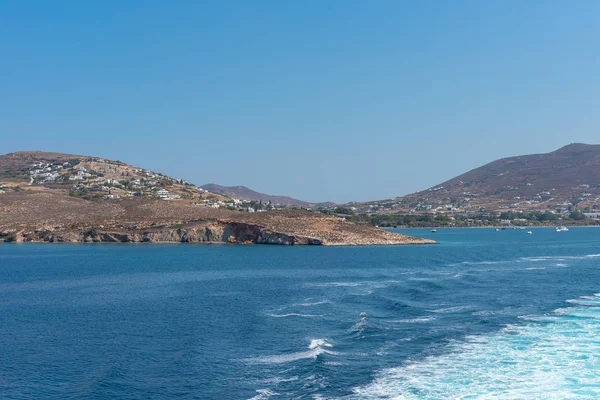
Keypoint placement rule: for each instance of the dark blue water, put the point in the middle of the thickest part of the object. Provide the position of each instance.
(482, 314)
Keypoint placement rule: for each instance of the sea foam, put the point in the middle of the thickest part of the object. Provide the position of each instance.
(556, 356)
(294, 315)
(316, 347)
(263, 394)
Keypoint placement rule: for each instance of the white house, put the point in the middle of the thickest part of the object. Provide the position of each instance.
(165, 195)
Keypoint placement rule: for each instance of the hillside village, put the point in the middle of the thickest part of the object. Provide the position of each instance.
(563, 184)
(99, 179)
(585, 198)
(96, 178)
(53, 197)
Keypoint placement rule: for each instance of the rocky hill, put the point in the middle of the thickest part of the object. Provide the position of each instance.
(94, 178)
(564, 172)
(50, 197)
(568, 178)
(244, 193)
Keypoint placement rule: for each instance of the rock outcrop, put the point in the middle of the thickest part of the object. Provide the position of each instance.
(196, 232)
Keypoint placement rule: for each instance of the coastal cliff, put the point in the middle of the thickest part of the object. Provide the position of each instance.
(208, 232)
(54, 217)
(54, 198)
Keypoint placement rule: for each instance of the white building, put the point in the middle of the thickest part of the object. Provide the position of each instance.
(165, 195)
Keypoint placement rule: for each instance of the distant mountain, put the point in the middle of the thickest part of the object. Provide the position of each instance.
(561, 171)
(566, 178)
(244, 193)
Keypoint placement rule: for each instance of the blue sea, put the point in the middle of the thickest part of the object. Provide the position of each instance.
(481, 315)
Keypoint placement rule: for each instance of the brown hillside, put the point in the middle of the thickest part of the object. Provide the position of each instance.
(80, 204)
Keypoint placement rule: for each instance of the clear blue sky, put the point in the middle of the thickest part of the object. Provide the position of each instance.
(316, 99)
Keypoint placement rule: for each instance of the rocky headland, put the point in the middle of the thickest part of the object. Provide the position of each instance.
(81, 207)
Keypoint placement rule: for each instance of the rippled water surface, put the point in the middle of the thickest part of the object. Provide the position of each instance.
(484, 314)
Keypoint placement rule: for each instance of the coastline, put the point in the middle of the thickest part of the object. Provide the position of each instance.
(219, 232)
(491, 226)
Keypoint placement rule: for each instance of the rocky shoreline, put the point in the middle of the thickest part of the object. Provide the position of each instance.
(206, 232)
(52, 216)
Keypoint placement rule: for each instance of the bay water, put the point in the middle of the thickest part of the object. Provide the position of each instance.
(482, 314)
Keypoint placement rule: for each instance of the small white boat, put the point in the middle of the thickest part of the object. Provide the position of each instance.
(561, 228)
(433, 230)
(529, 233)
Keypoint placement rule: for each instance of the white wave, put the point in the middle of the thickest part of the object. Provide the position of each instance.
(528, 259)
(277, 380)
(339, 284)
(294, 315)
(484, 313)
(418, 320)
(558, 258)
(586, 301)
(359, 288)
(263, 394)
(360, 326)
(537, 259)
(310, 304)
(551, 357)
(451, 309)
(351, 284)
(316, 347)
(586, 313)
(318, 343)
(559, 265)
(481, 262)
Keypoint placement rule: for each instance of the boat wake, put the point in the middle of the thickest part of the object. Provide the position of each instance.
(554, 356)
